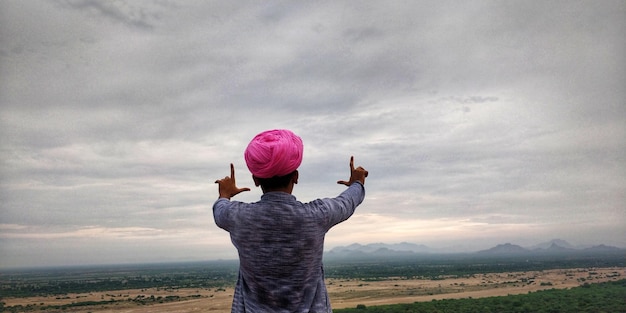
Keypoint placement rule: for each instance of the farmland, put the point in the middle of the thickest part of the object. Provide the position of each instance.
(208, 286)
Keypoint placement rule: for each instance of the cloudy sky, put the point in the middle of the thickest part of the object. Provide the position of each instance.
(481, 122)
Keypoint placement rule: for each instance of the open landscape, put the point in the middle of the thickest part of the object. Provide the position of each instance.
(493, 135)
(208, 286)
(344, 293)
(353, 293)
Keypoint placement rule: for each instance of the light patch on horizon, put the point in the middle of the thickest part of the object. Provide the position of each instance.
(382, 228)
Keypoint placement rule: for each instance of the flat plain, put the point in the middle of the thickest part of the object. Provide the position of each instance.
(344, 293)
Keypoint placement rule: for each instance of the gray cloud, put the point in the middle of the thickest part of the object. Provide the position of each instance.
(474, 119)
(130, 14)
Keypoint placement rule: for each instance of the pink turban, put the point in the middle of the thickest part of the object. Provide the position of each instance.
(272, 153)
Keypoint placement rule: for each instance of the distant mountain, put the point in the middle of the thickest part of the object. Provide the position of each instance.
(373, 247)
(505, 249)
(382, 251)
(376, 250)
(554, 242)
(558, 248)
(602, 249)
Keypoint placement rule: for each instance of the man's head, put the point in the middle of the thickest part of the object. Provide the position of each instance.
(273, 158)
(276, 183)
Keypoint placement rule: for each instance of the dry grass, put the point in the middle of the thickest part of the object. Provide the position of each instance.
(343, 293)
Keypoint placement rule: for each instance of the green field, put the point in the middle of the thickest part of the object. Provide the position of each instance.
(607, 297)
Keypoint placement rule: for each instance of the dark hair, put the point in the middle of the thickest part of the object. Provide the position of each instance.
(275, 182)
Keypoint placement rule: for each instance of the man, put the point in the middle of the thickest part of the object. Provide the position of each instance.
(280, 240)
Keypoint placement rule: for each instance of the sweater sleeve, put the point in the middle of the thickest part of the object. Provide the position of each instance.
(344, 205)
(222, 213)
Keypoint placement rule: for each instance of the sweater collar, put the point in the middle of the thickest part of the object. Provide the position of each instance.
(278, 196)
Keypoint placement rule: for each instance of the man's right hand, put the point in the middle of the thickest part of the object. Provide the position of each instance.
(356, 174)
(227, 186)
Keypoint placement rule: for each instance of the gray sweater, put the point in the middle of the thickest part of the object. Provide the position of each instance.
(280, 242)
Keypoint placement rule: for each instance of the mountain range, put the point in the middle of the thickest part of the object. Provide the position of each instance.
(508, 248)
(406, 249)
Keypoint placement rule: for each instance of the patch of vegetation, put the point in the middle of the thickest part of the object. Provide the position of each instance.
(439, 267)
(61, 281)
(139, 300)
(600, 297)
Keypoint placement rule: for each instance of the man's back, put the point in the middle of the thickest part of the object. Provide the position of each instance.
(280, 243)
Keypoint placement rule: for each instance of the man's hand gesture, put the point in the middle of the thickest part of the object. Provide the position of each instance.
(356, 174)
(227, 186)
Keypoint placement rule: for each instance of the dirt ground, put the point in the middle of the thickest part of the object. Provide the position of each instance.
(343, 293)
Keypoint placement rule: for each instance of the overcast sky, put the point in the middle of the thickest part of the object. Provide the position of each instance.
(480, 122)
